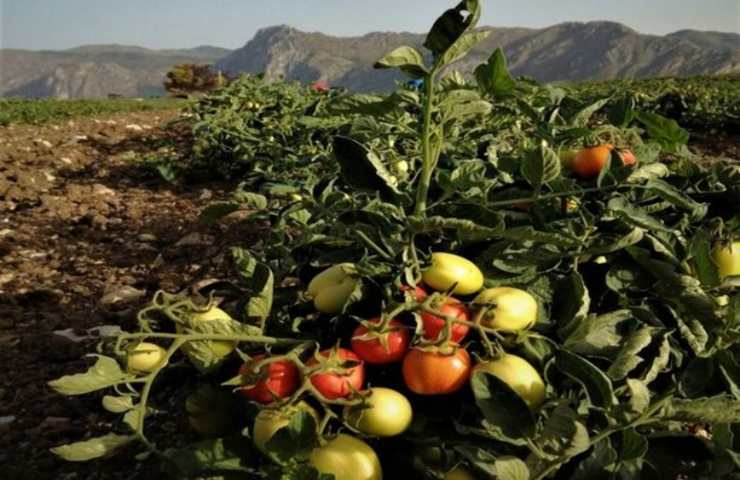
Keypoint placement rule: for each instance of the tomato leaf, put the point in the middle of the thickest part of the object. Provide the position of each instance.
(627, 358)
(296, 440)
(598, 334)
(663, 130)
(511, 468)
(540, 166)
(503, 409)
(701, 252)
(105, 373)
(406, 59)
(450, 27)
(598, 464)
(362, 169)
(493, 77)
(118, 404)
(229, 454)
(717, 409)
(595, 382)
(93, 448)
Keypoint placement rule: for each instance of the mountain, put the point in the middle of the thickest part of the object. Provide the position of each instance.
(567, 51)
(563, 52)
(94, 70)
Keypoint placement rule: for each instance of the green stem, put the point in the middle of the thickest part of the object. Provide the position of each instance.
(428, 162)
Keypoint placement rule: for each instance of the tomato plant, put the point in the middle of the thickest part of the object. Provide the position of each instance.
(145, 357)
(609, 295)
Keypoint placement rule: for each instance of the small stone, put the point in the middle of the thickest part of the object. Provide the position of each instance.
(66, 160)
(43, 143)
(194, 240)
(99, 189)
(106, 330)
(205, 194)
(6, 278)
(147, 237)
(6, 421)
(134, 128)
(121, 295)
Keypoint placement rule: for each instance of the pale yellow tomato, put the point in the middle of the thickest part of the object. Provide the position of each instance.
(332, 288)
(347, 458)
(727, 258)
(145, 358)
(448, 269)
(388, 413)
(514, 309)
(519, 375)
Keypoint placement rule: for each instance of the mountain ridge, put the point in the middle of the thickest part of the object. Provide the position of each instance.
(567, 51)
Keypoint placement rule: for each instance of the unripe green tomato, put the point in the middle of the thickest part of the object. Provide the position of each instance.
(332, 288)
(145, 358)
(727, 258)
(515, 310)
(268, 422)
(519, 375)
(388, 414)
(249, 105)
(459, 474)
(347, 458)
(220, 348)
(448, 269)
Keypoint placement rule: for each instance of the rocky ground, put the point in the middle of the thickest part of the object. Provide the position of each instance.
(87, 234)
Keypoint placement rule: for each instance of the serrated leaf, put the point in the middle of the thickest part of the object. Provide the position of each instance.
(208, 456)
(105, 373)
(93, 448)
(503, 409)
(564, 435)
(132, 418)
(660, 362)
(598, 334)
(639, 399)
(627, 358)
(452, 25)
(701, 252)
(575, 305)
(582, 116)
(635, 215)
(717, 409)
(598, 464)
(540, 166)
(295, 440)
(493, 77)
(669, 193)
(663, 130)
(461, 48)
(595, 382)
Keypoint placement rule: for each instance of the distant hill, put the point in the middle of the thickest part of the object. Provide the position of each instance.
(567, 51)
(563, 52)
(94, 70)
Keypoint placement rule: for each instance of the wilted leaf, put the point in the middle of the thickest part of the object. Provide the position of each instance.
(93, 448)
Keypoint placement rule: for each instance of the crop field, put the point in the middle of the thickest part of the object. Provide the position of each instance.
(465, 278)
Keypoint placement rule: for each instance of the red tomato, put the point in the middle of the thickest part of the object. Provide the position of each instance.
(419, 293)
(434, 325)
(373, 351)
(590, 161)
(320, 86)
(281, 380)
(433, 373)
(333, 384)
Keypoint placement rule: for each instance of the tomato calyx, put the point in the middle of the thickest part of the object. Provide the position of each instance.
(444, 319)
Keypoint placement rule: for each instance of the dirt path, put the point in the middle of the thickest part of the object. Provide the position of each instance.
(86, 236)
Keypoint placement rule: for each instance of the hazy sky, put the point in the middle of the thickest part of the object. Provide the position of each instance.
(57, 24)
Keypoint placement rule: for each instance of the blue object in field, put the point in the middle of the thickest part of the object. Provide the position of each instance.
(417, 83)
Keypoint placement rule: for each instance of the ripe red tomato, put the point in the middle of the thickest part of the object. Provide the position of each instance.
(590, 161)
(373, 351)
(279, 381)
(331, 383)
(434, 325)
(320, 86)
(434, 373)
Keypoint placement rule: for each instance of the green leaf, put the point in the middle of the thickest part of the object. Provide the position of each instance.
(540, 166)
(503, 409)
(296, 440)
(575, 304)
(451, 26)
(663, 130)
(105, 373)
(701, 253)
(216, 211)
(660, 362)
(622, 112)
(598, 464)
(582, 116)
(633, 445)
(511, 468)
(635, 215)
(627, 358)
(93, 448)
(361, 168)
(208, 456)
(461, 48)
(467, 228)
(598, 335)
(564, 435)
(639, 399)
(405, 58)
(596, 383)
(717, 409)
(493, 77)
(669, 193)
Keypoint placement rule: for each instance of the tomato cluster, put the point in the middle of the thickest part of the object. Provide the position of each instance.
(433, 355)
